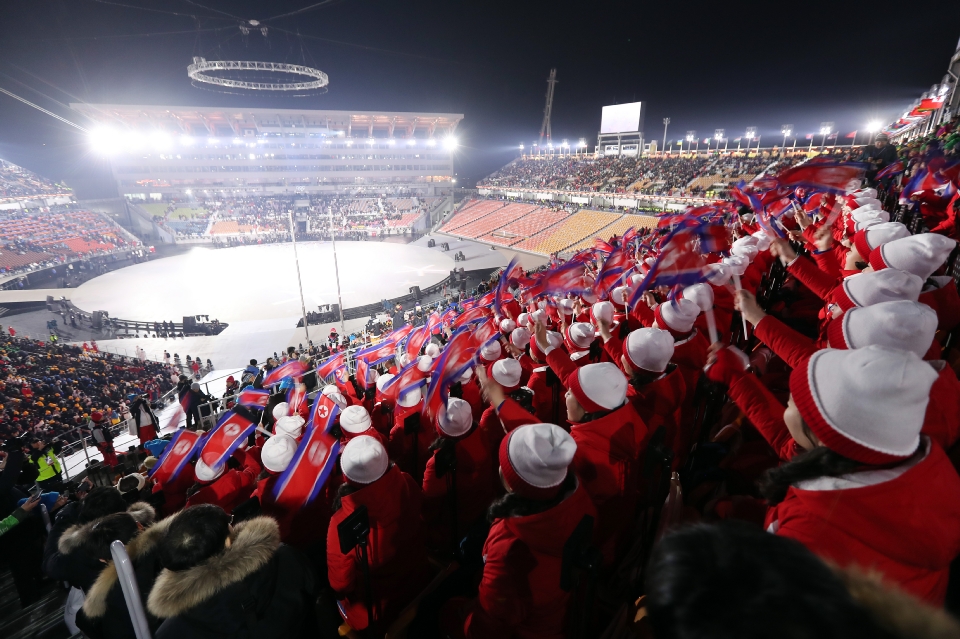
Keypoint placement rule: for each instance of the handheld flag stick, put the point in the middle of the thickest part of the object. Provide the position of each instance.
(737, 286)
(711, 325)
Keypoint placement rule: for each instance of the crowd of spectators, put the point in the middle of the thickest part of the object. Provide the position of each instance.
(670, 175)
(17, 182)
(47, 390)
(268, 215)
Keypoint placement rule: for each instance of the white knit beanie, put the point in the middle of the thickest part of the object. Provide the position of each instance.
(431, 350)
(620, 295)
(677, 315)
(717, 274)
(424, 363)
(507, 372)
(507, 325)
(589, 296)
(748, 252)
(364, 460)
(281, 410)
(598, 387)
(746, 240)
(867, 192)
(457, 419)
(534, 459)
(866, 213)
(331, 391)
(520, 337)
(602, 311)
(580, 335)
(902, 325)
(277, 452)
(565, 306)
(887, 285)
(205, 473)
(355, 420)
(650, 349)
(523, 319)
(383, 379)
(867, 404)
(490, 352)
(538, 315)
(411, 398)
(918, 254)
(865, 224)
(289, 425)
(699, 293)
(876, 235)
(736, 264)
(763, 240)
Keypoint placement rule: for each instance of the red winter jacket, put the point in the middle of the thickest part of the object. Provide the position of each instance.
(175, 492)
(520, 595)
(404, 447)
(301, 528)
(607, 461)
(230, 489)
(396, 554)
(903, 522)
(478, 484)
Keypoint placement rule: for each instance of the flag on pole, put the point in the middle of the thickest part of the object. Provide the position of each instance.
(851, 136)
(453, 361)
(679, 263)
(331, 365)
(254, 397)
(363, 374)
(310, 467)
(226, 437)
(409, 378)
(178, 453)
(295, 397)
(377, 352)
(293, 368)
(323, 407)
(416, 340)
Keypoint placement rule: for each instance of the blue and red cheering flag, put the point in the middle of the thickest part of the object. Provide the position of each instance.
(363, 374)
(453, 361)
(295, 397)
(293, 368)
(416, 340)
(409, 378)
(468, 316)
(178, 453)
(310, 467)
(512, 271)
(323, 411)
(331, 365)
(254, 397)
(890, 170)
(679, 263)
(232, 429)
(714, 238)
(823, 176)
(377, 353)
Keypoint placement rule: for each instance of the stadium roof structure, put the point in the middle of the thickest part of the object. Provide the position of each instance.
(246, 122)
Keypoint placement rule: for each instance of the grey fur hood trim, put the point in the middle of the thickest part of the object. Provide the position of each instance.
(95, 604)
(74, 536)
(253, 546)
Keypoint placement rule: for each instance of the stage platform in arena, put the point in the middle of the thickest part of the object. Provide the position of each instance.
(260, 282)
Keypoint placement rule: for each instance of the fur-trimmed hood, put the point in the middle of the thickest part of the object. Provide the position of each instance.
(253, 546)
(75, 536)
(95, 603)
(899, 612)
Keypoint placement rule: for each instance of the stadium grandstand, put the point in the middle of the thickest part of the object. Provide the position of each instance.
(19, 187)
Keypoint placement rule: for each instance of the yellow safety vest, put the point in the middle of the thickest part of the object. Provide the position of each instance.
(48, 469)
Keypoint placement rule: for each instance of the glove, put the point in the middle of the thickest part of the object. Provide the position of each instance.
(731, 362)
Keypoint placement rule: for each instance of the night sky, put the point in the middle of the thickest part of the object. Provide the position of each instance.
(705, 65)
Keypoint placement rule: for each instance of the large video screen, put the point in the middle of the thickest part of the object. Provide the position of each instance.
(621, 118)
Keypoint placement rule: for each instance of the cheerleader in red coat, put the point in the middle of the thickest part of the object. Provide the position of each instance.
(857, 485)
(520, 594)
(411, 436)
(460, 474)
(228, 485)
(396, 553)
(610, 438)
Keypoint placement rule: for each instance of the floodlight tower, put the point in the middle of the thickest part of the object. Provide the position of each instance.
(545, 127)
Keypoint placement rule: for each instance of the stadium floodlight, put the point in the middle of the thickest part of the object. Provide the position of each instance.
(186, 140)
(105, 140)
(786, 130)
(160, 140)
(874, 126)
(391, 141)
(826, 128)
(189, 192)
(411, 142)
(450, 142)
(349, 142)
(237, 141)
(431, 142)
(252, 156)
(691, 136)
(371, 141)
(751, 133)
